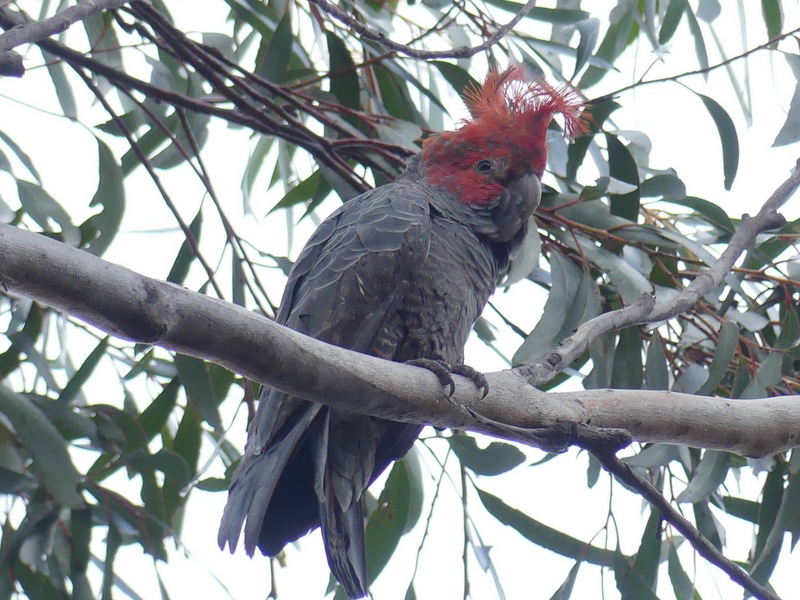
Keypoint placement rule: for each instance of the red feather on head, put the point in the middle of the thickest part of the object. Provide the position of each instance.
(510, 117)
(523, 110)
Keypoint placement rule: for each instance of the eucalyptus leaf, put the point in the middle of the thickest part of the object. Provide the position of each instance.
(47, 447)
(710, 473)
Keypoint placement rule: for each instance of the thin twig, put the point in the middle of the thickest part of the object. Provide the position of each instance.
(381, 38)
(34, 31)
(646, 310)
(710, 68)
(188, 235)
(706, 549)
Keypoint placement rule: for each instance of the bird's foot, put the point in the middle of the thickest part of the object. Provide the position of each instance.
(444, 372)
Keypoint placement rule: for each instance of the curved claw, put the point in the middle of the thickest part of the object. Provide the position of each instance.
(438, 367)
(478, 378)
(444, 371)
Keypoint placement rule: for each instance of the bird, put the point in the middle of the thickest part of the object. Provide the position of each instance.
(401, 272)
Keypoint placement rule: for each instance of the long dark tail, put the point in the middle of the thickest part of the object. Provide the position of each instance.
(343, 535)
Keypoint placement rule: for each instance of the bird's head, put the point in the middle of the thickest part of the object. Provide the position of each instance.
(494, 162)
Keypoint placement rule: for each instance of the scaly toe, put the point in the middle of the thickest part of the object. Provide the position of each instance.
(478, 378)
(439, 368)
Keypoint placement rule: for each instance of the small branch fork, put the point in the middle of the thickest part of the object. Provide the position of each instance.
(625, 474)
(381, 38)
(646, 310)
(35, 31)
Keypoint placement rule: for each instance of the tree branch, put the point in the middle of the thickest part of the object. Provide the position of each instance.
(35, 31)
(646, 310)
(768, 44)
(378, 36)
(706, 549)
(133, 307)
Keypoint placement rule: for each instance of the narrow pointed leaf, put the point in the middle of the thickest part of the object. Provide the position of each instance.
(496, 458)
(629, 583)
(710, 473)
(46, 446)
(728, 138)
(681, 584)
(541, 534)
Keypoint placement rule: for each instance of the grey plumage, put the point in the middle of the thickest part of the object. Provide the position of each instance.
(401, 272)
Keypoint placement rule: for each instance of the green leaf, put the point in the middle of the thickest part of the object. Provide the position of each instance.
(681, 584)
(672, 17)
(458, 78)
(599, 111)
(113, 542)
(786, 515)
(742, 508)
(629, 282)
(728, 138)
(254, 163)
(58, 74)
(541, 534)
(82, 375)
(709, 475)
(790, 132)
(188, 438)
(778, 510)
(496, 458)
(707, 524)
(103, 40)
(80, 537)
(665, 185)
(653, 456)
(170, 463)
(564, 310)
(699, 42)
(589, 30)
(51, 459)
(110, 195)
(36, 585)
(23, 158)
(648, 557)
(773, 17)
(657, 367)
(627, 372)
(593, 471)
(622, 166)
(714, 213)
(273, 58)
(344, 81)
(723, 355)
(619, 35)
(769, 374)
(556, 16)
(388, 522)
(122, 423)
(187, 252)
(303, 191)
(564, 592)
(596, 214)
(194, 375)
(42, 207)
(629, 582)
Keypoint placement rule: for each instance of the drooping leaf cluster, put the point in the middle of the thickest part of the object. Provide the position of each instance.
(328, 111)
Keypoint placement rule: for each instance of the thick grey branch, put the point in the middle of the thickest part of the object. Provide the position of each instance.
(34, 31)
(645, 310)
(137, 308)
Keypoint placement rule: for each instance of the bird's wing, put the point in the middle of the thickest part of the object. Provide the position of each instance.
(344, 289)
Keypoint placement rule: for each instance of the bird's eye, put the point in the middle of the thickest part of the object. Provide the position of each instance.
(483, 166)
